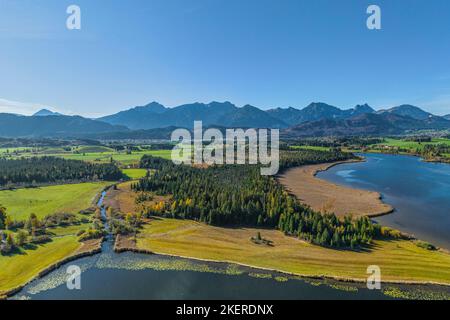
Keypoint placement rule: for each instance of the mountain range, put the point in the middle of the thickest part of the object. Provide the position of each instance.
(317, 119)
(12, 125)
(155, 115)
(384, 123)
(143, 122)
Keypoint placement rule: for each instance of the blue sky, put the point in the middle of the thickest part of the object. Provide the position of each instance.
(268, 53)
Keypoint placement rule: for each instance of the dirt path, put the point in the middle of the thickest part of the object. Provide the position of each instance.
(325, 196)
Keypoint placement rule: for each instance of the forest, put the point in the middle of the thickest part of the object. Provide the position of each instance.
(234, 195)
(43, 170)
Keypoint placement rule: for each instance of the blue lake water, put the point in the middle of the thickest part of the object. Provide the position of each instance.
(419, 191)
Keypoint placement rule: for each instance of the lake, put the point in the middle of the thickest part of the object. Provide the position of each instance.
(419, 191)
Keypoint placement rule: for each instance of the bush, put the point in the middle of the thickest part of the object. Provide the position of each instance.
(21, 238)
(41, 239)
(121, 227)
(5, 249)
(84, 220)
(91, 234)
(88, 211)
(425, 245)
(14, 225)
(387, 232)
(59, 219)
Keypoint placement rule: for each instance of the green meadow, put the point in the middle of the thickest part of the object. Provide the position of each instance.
(135, 173)
(123, 158)
(17, 269)
(95, 154)
(412, 144)
(43, 201)
(317, 148)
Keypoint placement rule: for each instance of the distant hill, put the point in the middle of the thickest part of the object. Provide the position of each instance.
(365, 124)
(250, 117)
(138, 117)
(358, 109)
(319, 110)
(46, 112)
(51, 126)
(409, 111)
(289, 115)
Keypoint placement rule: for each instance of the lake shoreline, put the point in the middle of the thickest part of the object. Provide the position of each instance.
(316, 192)
(375, 215)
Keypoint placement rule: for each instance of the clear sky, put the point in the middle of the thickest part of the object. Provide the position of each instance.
(268, 53)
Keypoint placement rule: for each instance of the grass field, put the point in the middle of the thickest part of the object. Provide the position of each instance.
(92, 149)
(123, 158)
(68, 230)
(135, 173)
(96, 154)
(316, 148)
(412, 145)
(18, 269)
(398, 260)
(46, 200)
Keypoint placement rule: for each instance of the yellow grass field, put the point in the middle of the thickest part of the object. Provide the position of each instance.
(401, 260)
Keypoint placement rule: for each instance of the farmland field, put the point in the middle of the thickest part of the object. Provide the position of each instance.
(42, 201)
(412, 144)
(317, 148)
(123, 158)
(96, 154)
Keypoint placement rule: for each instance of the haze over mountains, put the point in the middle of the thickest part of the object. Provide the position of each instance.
(317, 119)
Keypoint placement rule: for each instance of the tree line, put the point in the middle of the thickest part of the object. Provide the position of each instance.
(39, 170)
